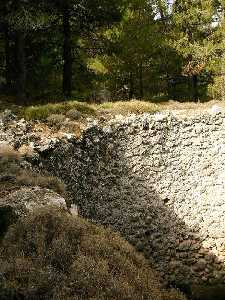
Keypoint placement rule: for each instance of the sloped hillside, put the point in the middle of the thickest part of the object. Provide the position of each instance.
(53, 255)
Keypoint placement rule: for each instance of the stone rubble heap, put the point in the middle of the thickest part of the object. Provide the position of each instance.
(26, 137)
(19, 135)
(158, 179)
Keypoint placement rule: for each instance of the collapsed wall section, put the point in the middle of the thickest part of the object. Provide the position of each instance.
(160, 181)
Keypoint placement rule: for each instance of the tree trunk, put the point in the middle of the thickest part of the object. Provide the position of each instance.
(67, 53)
(8, 78)
(195, 88)
(131, 90)
(20, 67)
(141, 87)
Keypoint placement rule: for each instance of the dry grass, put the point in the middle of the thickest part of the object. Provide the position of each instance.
(29, 178)
(56, 120)
(7, 152)
(77, 110)
(52, 255)
(175, 105)
(138, 107)
(134, 106)
(14, 176)
(74, 114)
(42, 112)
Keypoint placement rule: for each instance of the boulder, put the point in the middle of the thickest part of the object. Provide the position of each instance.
(7, 116)
(24, 201)
(27, 150)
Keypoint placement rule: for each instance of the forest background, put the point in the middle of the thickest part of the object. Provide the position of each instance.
(101, 50)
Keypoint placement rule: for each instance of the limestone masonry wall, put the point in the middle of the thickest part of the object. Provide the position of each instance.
(160, 181)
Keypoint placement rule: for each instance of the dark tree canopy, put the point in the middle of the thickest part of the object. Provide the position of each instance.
(112, 49)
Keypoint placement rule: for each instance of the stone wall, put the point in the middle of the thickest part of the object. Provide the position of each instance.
(160, 181)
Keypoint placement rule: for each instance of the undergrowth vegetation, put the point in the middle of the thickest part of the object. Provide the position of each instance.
(73, 109)
(135, 106)
(42, 112)
(53, 255)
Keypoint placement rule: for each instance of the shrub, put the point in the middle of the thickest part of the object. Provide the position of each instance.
(9, 161)
(74, 114)
(56, 120)
(52, 255)
(13, 176)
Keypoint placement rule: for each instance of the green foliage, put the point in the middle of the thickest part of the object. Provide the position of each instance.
(215, 89)
(136, 44)
(52, 255)
(114, 51)
(194, 36)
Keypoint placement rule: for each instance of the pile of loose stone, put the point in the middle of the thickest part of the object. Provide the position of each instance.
(158, 179)
(18, 134)
(28, 137)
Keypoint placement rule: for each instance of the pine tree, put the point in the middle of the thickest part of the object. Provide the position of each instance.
(194, 37)
(219, 79)
(18, 18)
(137, 44)
(79, 18)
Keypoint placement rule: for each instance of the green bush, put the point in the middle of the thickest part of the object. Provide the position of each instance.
(53, 255)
